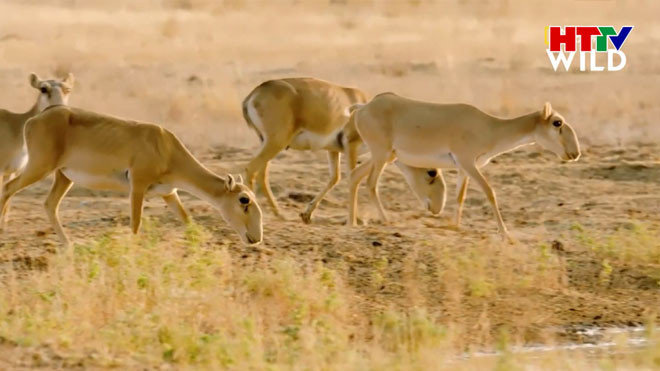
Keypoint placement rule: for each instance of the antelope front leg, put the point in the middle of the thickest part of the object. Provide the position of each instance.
(173, 202)
(33, 172)
(475, 174)
(352, 154)
(443, 191)
(264, 184)
(259, 163)
(3, 221)
(334, 159)
(137, 201)
(377, 166)
(3, 180)
(60, 187)
(357, 175)
(461, 186)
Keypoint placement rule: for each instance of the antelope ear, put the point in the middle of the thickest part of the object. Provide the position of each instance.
(34, 80)
(547, 111)
(69, 80)
(230, 184)
(239, 179)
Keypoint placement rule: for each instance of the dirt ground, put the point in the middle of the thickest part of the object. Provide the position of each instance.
(188, 64)
(603, 192)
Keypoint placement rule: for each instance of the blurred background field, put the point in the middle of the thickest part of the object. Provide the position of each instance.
(188, 63)
(414, 294)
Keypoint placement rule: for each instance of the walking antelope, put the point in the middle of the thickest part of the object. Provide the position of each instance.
(310, 114)
(104, 152)
(13, 155)
(449, 136)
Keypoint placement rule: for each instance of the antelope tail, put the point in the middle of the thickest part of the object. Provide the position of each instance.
(349, 110)
(248, 119)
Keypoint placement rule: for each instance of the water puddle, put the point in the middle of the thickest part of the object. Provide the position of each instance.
(593, 340)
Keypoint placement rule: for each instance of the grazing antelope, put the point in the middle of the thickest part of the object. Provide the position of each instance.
(449, 136)
(13, 155)
(310, 114)
(104, 152)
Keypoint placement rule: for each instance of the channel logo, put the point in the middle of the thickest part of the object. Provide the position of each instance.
(588, 42)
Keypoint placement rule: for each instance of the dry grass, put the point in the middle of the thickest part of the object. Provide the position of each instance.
(117, 301)
(156, 299)
(145, 301)
(633, 246)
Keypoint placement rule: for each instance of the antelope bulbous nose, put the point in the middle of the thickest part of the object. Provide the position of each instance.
(572, 156)
(251, 239)
(430, 208)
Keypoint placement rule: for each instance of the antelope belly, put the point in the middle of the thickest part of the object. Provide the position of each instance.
(18, 162)
(107, 182)
(432, 160)
(308, 140)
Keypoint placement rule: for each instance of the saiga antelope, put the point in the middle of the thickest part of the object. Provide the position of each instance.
(459, 136)
(310, 114)
(104, 152)
(13, 155)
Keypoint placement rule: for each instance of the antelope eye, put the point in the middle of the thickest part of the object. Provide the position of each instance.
(432, 173)
(556, 123)
(44, 89)
(244, 200)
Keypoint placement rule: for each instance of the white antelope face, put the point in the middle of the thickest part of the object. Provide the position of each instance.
(240, 210)
(427, 184)
(52, 92)
(555, 134)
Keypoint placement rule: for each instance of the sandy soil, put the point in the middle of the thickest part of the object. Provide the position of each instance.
(602, 193)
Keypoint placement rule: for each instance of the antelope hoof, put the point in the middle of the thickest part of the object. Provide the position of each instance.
(277, 213)
(454, 227)
(382, 222)
(306, 217)
(506, 237)
(358, 221)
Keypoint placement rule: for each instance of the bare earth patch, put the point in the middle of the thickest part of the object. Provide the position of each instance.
(578, 261)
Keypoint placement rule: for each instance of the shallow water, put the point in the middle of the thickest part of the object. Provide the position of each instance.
(594, 340)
